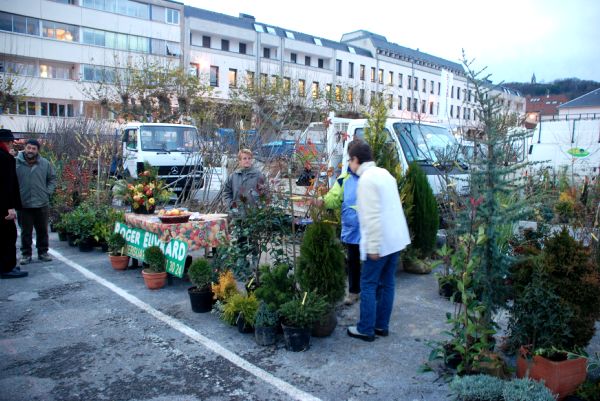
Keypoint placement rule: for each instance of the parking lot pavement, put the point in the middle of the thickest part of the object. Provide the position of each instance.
(77, 329)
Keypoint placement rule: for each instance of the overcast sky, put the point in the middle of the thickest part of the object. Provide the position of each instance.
(512, 38)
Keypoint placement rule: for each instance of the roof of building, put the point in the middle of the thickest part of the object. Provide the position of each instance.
(545, 105)
(249, 22)
(591, 99)
(395, 50)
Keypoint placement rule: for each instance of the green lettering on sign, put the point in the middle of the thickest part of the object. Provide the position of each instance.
(138, 240)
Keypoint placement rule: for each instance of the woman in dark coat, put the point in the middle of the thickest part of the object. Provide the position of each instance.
(9, 202)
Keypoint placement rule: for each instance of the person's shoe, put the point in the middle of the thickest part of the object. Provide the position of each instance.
(353, 332)
(382, 332)
(350, 299)
(14, 273)
(44, 257)
(25, 260)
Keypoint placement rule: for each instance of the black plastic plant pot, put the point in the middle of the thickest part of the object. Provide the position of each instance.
(86, 245)
(265, 335)
(201, 301)
(296, 339)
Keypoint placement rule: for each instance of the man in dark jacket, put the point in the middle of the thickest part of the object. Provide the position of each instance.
(244, 186)
(9, 202)
(37, 182)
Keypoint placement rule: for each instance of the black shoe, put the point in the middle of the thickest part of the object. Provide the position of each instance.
(14, 273)
(353, 332)
(382, 332)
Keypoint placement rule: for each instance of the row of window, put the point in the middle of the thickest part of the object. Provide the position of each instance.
(33, 69)
(207, 42)
(71, 33)
(135, 9)
(41, 108)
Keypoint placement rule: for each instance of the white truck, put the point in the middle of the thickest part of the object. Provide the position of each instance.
(171, 148)
(417, 141)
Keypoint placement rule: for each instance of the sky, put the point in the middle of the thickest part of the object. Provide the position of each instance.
(510, 39)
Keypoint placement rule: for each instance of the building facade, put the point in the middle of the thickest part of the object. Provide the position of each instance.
(60, 47)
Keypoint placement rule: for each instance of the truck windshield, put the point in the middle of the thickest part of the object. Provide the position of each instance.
(169, 138)
(425, 143)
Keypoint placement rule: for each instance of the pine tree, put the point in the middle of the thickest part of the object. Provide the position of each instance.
(384, 152)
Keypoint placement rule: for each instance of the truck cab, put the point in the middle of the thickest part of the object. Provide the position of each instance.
(171, 148)
(432, 146)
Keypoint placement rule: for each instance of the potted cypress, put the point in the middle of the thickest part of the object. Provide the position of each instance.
(116, 251)
(154, 275)
(265, 325)
(201, 295)
(320, 269)
(298, 317)
(555, 313)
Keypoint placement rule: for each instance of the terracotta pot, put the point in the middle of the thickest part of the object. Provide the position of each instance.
(561, 377)
(119, 262)
(154, 281)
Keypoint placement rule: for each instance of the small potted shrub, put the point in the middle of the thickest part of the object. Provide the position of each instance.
(298, 316)
(117, 247)
(201, 295)
(265, 325)
(240, 310)
(276, 285)
(154, 275)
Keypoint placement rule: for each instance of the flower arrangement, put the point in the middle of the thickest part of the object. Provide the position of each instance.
(145, 192)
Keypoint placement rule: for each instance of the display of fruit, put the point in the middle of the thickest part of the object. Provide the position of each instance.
(172, 212)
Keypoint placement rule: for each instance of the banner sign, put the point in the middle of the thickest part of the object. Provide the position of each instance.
(138, 240)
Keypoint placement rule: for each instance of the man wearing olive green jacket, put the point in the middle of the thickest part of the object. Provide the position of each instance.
(37, 181)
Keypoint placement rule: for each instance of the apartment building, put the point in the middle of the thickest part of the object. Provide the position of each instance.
(55, 48)
(61, 45)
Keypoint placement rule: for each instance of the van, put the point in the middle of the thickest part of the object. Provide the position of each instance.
(171, 148)
(432, 146)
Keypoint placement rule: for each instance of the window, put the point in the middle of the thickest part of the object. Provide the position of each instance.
(432, 87)
(338, 93)
(415, 105)
(232, 78)
(431, 108)
(194, 70)
(361, 97)
(390, 101)
(338, 67)
(424, 88)
(214, 75)
(416, 83)
(350, 69)
(126, 7)
(206, 41)
(55, 71)
(315, 90)
(242, 48)
(400, 80)
(318, 42)
(287, 85)
(380, 76)
(266, 52)
(351, 50)
(225, 45)
(55, 30)
(172, 16)
(439, 88)
(53, 109)
(372, 97)
(391, 78)
(328, 91)
(290, 35)
(458, 92)
(320, 62)
(470, 95)
(408, 103)
(19, 24)
(350, 95)
(372, 74)
(43, 109)
(409, 82)
(307, 60)
(399, 102)
(362, 73)
(302, 88)
(452, 92)
(264, 80)
(457, 111)
(31, 108)
(423, 106)
(293, 58)
(259, 28)
(93, 37)
(271, 30)
(173, 49)
(250, 79)
(451, 111)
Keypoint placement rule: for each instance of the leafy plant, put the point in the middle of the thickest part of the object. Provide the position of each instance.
(239, 303)
(155, 259)
(145, 192)
(116, 244)
(477, 388)
(200, 274)
(320, 266)
(526, 390)
(276, 286)
(304, 310)
(265, 316)
(225, 286)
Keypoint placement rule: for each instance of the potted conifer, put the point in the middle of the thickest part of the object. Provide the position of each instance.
(201, 295)
(154, 275)
(116, 251)
(298, 317)
(265, 325)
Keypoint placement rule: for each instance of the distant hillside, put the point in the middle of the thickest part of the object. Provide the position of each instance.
(571, 87)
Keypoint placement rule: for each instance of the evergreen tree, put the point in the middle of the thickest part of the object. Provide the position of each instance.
(384, 150)
(423, 217)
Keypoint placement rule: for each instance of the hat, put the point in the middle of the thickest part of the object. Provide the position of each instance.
(6, 135)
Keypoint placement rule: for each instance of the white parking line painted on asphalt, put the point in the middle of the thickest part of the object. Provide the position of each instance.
(211, 345)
